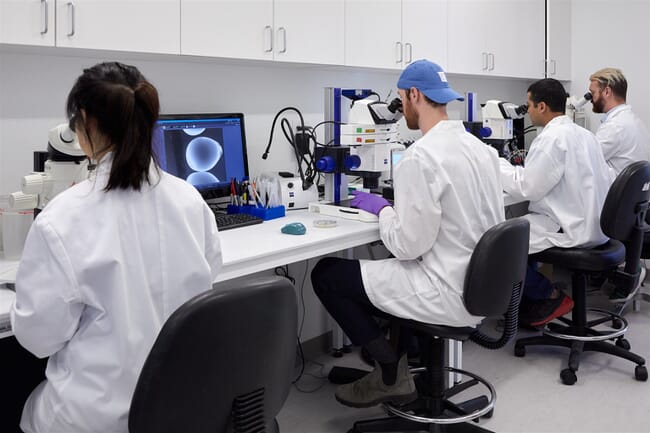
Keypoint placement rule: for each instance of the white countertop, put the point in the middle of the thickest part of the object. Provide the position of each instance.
(251, 249)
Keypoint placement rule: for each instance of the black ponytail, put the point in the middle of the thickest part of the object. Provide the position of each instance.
(125, 107)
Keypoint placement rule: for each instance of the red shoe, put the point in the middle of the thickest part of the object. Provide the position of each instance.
(547, 310)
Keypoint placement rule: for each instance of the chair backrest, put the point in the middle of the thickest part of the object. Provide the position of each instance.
(624, 212)
(495, 276)
(497, 264)
(626, 201)
(223, 362)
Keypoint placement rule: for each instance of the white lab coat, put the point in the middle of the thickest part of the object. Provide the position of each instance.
(624, 138)
(566, 180)
(447, 194)
(99, 275)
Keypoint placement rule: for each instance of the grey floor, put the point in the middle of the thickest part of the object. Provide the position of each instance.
(530, 394)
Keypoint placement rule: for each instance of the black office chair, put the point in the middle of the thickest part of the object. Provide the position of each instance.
(645, 254)
(223, 362)
(623, 220)
(493, 286)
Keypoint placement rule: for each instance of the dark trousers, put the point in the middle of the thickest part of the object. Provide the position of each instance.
(337, 283)
(537, 286)
(22, 372)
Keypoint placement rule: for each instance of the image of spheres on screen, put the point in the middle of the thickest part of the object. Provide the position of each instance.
(203, 153)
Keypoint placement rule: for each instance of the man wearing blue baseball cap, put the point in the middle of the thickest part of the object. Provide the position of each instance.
(447, 194)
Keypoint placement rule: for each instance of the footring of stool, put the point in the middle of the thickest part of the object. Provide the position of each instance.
(397, 411)
(600, 336)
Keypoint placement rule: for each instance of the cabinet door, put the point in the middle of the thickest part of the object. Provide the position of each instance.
(558, 39)
(467, 51)
(424, 31)
(136, 25)
(373, 35)
(29, 22)
(227, 28)
(516, 38)
(309, 31)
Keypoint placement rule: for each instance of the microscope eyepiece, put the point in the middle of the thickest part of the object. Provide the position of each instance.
(522, 109)
(395, 105)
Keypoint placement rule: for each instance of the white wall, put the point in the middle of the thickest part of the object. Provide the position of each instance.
(608, 33)
(34, 83)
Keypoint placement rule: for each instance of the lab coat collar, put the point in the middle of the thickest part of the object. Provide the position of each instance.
(559, 120)
(448, 125)
(615, 111)
(103, 170)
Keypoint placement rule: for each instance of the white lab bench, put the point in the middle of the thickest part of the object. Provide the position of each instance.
(252, 249)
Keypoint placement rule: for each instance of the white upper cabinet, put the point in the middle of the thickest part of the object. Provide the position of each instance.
(558, 39)
(497, 37)
(151, 26)
(424, 31)
(228, 28)
(309, 31)
(507, 38)
(373, 33)
(29, 22)
(466, 37)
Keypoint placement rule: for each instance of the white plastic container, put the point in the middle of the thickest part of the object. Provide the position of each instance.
(15, 226)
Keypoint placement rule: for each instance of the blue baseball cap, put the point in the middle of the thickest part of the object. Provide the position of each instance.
(430, 79)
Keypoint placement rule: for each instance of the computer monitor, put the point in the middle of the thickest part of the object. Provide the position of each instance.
(206, 150)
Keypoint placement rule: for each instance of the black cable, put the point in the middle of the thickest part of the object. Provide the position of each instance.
(303, 156)
(275, 119)
(325, 122)
(283, 271)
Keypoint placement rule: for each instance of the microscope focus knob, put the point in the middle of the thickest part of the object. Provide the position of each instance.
(326, 164)
(485, 131)
(352, 162)
(33, 183)
(19, 200)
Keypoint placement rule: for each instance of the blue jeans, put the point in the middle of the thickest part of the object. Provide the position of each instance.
(537, 286)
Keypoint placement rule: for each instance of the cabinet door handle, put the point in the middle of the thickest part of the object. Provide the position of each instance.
(268, 39)
(398, 52)
(284, 39)
(70, 6)
(44, 9)
(490, 61)
(484, 61)
(554, 67)
(409, 52)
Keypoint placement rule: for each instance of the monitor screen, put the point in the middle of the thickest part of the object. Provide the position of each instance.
(206, 150)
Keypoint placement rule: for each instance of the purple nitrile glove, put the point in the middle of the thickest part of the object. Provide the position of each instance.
(369, 202)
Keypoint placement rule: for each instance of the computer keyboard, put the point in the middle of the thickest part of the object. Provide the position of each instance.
(231, 221)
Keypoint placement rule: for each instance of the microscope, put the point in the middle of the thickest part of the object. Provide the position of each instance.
(502, 126)
(61, 166)
(361, 146)
(574, 108)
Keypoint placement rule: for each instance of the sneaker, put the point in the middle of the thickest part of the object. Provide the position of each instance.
(541, 312)
(619, 296)
(371, 390)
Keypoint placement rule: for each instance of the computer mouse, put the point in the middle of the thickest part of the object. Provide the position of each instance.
(294, 229)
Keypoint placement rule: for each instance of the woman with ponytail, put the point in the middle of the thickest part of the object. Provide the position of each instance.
(108, 260)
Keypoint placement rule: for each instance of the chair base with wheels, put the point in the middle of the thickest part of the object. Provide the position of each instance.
(579, 334)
